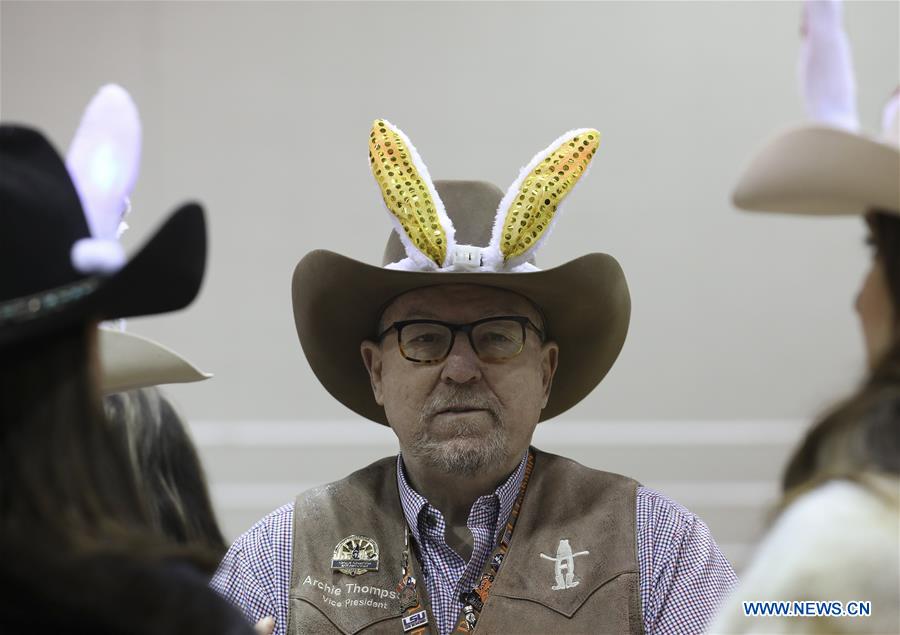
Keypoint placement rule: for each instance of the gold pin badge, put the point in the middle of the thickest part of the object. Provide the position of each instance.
(355, 555)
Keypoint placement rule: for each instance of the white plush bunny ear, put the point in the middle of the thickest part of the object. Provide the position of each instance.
(826, 66)
(103, 163)
(530, 208)
(416, 209)
(890, 119)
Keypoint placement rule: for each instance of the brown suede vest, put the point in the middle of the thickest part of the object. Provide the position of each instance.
(594, 511)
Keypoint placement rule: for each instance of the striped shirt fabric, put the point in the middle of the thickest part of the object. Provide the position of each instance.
(683, 574)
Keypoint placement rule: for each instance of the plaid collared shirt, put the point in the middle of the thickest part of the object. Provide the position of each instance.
(446, 573)
(683, 575)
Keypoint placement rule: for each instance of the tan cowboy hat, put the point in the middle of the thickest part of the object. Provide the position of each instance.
(828, 167)
(129, 361)
(464, 232)
(821, 170)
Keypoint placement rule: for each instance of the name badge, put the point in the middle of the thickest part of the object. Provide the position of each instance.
(355, 555)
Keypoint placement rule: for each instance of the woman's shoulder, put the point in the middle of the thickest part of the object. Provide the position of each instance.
(835, 512)
(173, 596)
(832, 526)
(188, 601)
(833, 543)
(115, 594)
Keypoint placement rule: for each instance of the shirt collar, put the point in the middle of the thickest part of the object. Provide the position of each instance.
(413, 502)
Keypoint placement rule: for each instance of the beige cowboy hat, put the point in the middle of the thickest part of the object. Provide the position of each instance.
(464, 232)
(129, 361)
(821, 170)
(829, 166)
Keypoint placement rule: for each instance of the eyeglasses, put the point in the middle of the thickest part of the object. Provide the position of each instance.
(494, 339)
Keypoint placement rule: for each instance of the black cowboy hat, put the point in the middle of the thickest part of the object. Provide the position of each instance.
(41, 218)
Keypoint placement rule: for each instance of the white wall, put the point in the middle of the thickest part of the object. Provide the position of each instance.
(262, 111)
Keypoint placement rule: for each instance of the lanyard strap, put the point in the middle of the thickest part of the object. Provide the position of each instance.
(414, 616)
(474, 600)
(415, 619)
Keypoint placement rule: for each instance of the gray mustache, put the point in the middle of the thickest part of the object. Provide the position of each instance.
(461, 398)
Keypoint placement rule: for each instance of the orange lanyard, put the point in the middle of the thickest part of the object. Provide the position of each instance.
(415, 618)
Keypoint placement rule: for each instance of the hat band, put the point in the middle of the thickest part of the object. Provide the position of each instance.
(27, 308)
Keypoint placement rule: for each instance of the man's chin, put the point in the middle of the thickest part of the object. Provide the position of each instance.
(457, 444)
(464, 454)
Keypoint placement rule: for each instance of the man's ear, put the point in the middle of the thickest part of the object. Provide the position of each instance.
(371, 354)
(549, 364)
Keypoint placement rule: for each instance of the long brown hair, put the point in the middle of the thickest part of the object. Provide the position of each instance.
(862, 434)
(62, 472)
(66, 482)
(167, 467)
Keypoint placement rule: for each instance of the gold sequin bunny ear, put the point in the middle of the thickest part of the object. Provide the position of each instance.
(416, 209)
(530, 208)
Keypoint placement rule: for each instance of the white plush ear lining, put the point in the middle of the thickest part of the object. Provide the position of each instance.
(890, 119)
(103, 162)
(826, 66)
(410, 197)
(531, 206)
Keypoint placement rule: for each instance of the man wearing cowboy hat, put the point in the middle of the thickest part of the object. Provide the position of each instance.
(462, 345)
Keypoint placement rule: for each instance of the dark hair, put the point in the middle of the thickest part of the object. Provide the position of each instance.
(66, 483)
(166, 467)
(62, 470)
(861, 434)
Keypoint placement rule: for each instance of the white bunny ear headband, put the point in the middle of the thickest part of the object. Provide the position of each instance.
(829, 167)
(525, 217)
(103, 162)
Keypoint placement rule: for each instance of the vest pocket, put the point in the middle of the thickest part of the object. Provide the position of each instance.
(607, 608)
(330, 614)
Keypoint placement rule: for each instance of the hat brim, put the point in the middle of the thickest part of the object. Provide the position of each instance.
(164, 275)
(129, 361)
(821, 171)
(337, 302)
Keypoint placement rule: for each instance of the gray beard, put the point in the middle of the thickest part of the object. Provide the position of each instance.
(468, 452)
(462, 456)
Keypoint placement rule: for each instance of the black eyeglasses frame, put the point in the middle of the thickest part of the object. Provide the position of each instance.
(465, 328)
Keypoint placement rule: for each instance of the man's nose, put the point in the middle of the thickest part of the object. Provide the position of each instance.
(462, 365)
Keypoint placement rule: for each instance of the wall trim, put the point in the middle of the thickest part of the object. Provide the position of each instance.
(300, 433)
